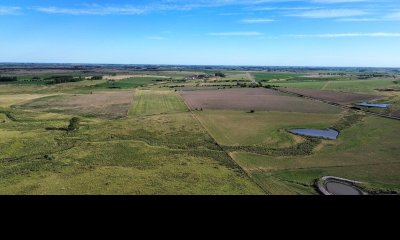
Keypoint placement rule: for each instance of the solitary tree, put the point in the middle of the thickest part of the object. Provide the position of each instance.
(220, 74)
(73, 124)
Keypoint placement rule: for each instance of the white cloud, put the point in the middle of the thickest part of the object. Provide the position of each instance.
(346, 35)
(329, 13)
(156, 38)
(338, 1)
(236, 34)
(358, 20)
(165, 5)
(257, 20)
(94, 10)
(393, 16)
(7, 10)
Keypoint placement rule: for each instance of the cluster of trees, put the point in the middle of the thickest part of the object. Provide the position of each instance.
(252, 85)
(8, 79)
(96, 78)
(332, 74)
(220, 74)
(372, 75)
(62, 79)
(271, 86)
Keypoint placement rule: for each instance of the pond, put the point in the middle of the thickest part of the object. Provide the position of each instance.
(327, 133)
(377, 105)
(337, 188)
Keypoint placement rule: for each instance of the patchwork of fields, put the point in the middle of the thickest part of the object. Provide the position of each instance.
(167, 133)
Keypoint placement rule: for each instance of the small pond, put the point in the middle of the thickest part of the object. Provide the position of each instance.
(377, 105)
(327, 133)
(337, 188)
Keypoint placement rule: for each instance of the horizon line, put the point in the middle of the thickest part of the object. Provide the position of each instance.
(199, 65)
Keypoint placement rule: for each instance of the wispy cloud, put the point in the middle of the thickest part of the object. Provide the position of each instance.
(394, 16)
(181, 5)
(346, 35)
(95, 10)
(359, 19)
(257, 20)
(263, 8)
(156, 38)
(7, 10)
(329, 13)
(338, 1)
(236, 34)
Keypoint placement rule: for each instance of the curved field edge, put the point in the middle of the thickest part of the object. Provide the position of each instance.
(238, 128)
(358, 154)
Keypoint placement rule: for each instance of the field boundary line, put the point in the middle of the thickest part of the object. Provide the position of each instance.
(325, 85)
(132, 103)
(321, 167)
(223, 150)
(337, 104)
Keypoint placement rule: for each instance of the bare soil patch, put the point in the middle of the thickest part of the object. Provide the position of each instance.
(258, 99)
(103, 104)
(122, 77)
(396, 113)
(333, 96)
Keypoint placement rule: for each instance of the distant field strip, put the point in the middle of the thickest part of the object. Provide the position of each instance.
(100, 104)
(247, 99)
(148, 102)
(357, 86)
(332, 96)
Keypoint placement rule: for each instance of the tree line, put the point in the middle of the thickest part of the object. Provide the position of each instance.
(8, 79)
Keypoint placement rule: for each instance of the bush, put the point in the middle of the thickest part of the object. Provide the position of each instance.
(220, 74)
(73, 124)
(8, 79)
(62, 79)
(96, 78)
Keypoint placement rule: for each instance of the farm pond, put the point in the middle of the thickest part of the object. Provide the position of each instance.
(377, 105)
(327, 133)
(337, 188)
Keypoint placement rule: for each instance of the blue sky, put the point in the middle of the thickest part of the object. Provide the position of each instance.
(212, 32)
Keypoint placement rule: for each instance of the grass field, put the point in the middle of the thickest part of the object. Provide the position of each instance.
(236, 128)
(163, 154)
(137, 135)
(148, 102)
(360, 153)
(265, 76)
(127, 83)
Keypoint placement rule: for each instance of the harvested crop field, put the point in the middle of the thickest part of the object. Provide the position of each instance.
(102, 104)
(258, 99)
(332, 96)
(396, 113)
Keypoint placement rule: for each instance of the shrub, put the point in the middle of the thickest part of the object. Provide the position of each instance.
(97, 78)
(73, 124)
(8, 79)
(220, 74)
